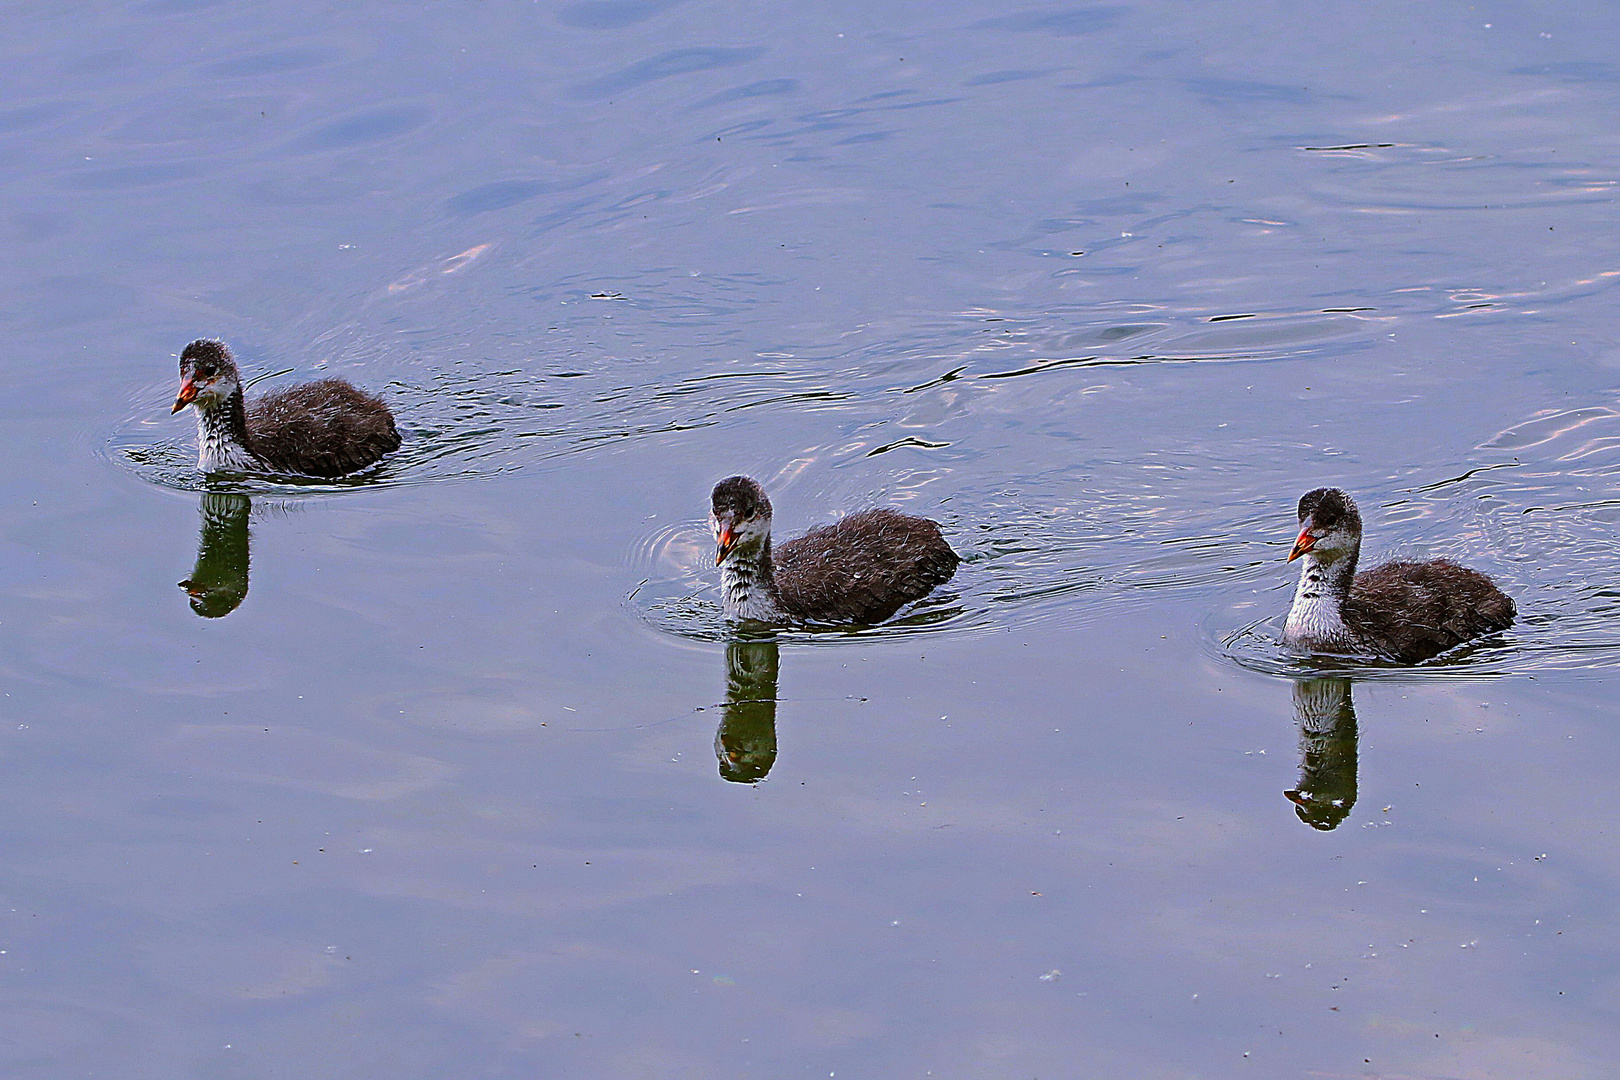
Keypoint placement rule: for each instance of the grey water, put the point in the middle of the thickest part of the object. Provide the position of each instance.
(454, 770)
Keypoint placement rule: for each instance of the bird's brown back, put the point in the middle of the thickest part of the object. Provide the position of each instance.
(1411, 611)
(862, 568)
(321, 428)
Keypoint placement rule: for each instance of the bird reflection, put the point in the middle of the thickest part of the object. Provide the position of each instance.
(1327, 752)
(746, 741)
(219, 581)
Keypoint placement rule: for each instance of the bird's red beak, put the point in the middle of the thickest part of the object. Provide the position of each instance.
(728, 540)
(188, 394)
(1305, 542)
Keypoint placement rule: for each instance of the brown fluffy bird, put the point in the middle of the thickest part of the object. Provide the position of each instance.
(1401, 611)
(324, 428)
(860, 569)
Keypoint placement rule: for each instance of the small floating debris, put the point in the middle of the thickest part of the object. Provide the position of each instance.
(909, 440)
(1351, 146)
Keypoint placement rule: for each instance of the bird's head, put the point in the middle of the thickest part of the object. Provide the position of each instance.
(1329, 525)
(739, 515)
(208, 375)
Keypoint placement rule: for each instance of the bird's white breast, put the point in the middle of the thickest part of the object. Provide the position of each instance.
(218, 452)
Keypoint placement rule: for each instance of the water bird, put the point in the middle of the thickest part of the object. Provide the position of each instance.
(1405, 611)
(324, 428)
(860, 569)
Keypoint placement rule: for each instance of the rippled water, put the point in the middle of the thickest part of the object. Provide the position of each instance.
(453, 768)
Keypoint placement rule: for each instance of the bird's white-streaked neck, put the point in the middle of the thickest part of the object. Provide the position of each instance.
(748, 583)
(1316, 618)
(222, 436)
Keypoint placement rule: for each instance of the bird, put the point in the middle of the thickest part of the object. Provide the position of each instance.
(1404, 611)
(860, 569)
(325, 428)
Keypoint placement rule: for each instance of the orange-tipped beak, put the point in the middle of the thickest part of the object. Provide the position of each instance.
(188, 394)
(1305, 542)
(727, 541)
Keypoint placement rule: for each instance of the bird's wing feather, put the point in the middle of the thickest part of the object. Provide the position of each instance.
(1410, 611)
(321, 428)
(862, 568)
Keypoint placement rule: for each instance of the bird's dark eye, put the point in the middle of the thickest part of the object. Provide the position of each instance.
(206, 372)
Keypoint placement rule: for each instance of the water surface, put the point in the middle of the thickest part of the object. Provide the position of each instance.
(454, 769)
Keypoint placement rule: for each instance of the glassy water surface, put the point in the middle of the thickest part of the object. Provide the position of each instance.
(454, 769)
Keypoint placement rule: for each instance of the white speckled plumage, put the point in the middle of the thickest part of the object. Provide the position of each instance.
(1316, 619)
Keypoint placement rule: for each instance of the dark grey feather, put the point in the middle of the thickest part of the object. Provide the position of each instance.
(862, 568)
(1411, 611)
(322, 428)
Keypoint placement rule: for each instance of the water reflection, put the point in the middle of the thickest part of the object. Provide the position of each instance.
(219, 582)
(1327, 752)
(746, 742)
